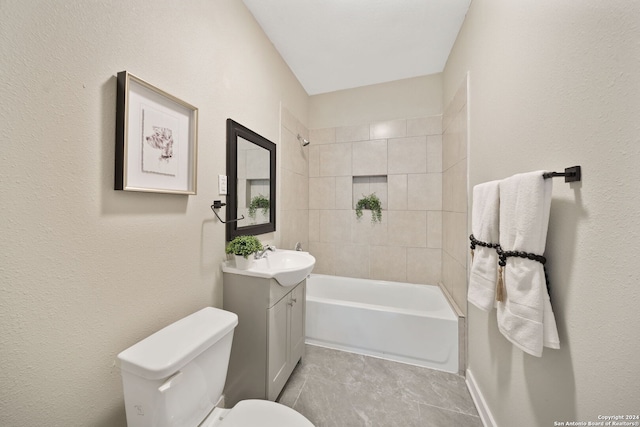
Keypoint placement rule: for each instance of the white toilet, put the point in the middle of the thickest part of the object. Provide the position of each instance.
(175, 378)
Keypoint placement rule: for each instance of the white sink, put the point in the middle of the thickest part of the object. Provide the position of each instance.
(287, 267)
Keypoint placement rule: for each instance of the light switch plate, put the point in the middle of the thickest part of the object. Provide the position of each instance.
(222, 185)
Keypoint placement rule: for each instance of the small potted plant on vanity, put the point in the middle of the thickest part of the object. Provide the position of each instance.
(372, 203)
(244, 247)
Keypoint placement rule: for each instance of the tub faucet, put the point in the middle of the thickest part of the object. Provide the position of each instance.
(263, 252)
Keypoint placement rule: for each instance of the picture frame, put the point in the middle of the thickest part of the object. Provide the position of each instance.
(156, 139)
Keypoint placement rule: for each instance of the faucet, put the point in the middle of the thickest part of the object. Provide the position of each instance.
(263, 252)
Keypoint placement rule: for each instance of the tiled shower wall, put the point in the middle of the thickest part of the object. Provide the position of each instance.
(293, 198)
(454, 198)
(399, 160)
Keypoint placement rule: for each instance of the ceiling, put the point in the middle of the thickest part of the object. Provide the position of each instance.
(340, 44)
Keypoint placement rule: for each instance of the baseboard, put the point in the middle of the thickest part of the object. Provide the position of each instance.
(478, 399)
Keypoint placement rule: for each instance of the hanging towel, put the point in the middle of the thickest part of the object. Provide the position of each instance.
(485, 227)
(525, 317)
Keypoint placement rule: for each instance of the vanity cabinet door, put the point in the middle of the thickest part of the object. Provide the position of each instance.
(263, 356)
(278, 347)
(297, 324)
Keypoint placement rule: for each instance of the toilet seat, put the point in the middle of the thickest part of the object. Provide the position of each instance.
(262, 413)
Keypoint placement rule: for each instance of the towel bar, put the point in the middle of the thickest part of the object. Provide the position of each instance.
(572, 174)
(217, 204)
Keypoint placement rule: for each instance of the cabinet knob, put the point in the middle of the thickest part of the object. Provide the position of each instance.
(294, 299)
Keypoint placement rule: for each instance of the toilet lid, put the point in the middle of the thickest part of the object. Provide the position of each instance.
(263, 413)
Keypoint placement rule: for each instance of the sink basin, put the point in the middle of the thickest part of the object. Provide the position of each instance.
(287, 267)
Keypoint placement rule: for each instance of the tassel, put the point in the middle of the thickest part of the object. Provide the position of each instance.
(500, 291)
(472, 255)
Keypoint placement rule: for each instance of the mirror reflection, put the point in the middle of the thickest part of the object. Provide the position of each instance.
(253, 192)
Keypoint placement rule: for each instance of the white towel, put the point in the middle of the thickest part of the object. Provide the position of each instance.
(485, 214)
(525, 317)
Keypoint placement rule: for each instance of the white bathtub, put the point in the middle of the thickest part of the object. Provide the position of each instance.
(396, 321)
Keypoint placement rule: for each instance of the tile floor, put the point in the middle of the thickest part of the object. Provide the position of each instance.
(338, 389)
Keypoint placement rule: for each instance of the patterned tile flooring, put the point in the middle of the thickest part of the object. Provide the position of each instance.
(338, 389)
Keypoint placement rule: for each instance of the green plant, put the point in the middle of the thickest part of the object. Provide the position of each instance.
(244, 246)
(258, 202)
(372, 203)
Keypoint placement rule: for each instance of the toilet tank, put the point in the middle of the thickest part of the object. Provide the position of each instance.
(176, 376)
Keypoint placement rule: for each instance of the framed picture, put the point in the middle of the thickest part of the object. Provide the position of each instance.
(156, 139)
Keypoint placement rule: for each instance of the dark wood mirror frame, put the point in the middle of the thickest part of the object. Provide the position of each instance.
(235, 228)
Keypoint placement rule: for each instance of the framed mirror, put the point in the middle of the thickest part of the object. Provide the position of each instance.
(251, 187)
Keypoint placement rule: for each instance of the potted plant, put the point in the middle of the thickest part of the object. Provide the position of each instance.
(372, 203)
(258, 202)
(242, 247)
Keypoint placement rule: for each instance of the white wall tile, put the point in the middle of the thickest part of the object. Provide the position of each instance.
(294, 156)
(314, 160)
(434, 125)
(314, 225)
(424, 191)
(407, 155)
(301, 192)
(434, 154)
(335, 226)
(424, 265)
(344, 192)
(352, 133)
(322, 193)
(397, 192)
(295, 229)
(325, 256)
(458, 176)
(455, 236)
(352, 261)
(407, 228)
(335, 160)
(322, 136)
(365, 232)
(370, 157)
(389, 129)
(388, 263)
(454, 277)
(434, 229)
(293, 192)
(454, 199)
(431, 125)
(287, 200)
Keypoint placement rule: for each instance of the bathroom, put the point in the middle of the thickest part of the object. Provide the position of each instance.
(87, 271)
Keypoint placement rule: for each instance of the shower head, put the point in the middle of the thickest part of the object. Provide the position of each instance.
(303, 141)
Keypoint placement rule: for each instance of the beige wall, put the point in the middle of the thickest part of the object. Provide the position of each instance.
(401, 99)
(86, 271)
(555, 84)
